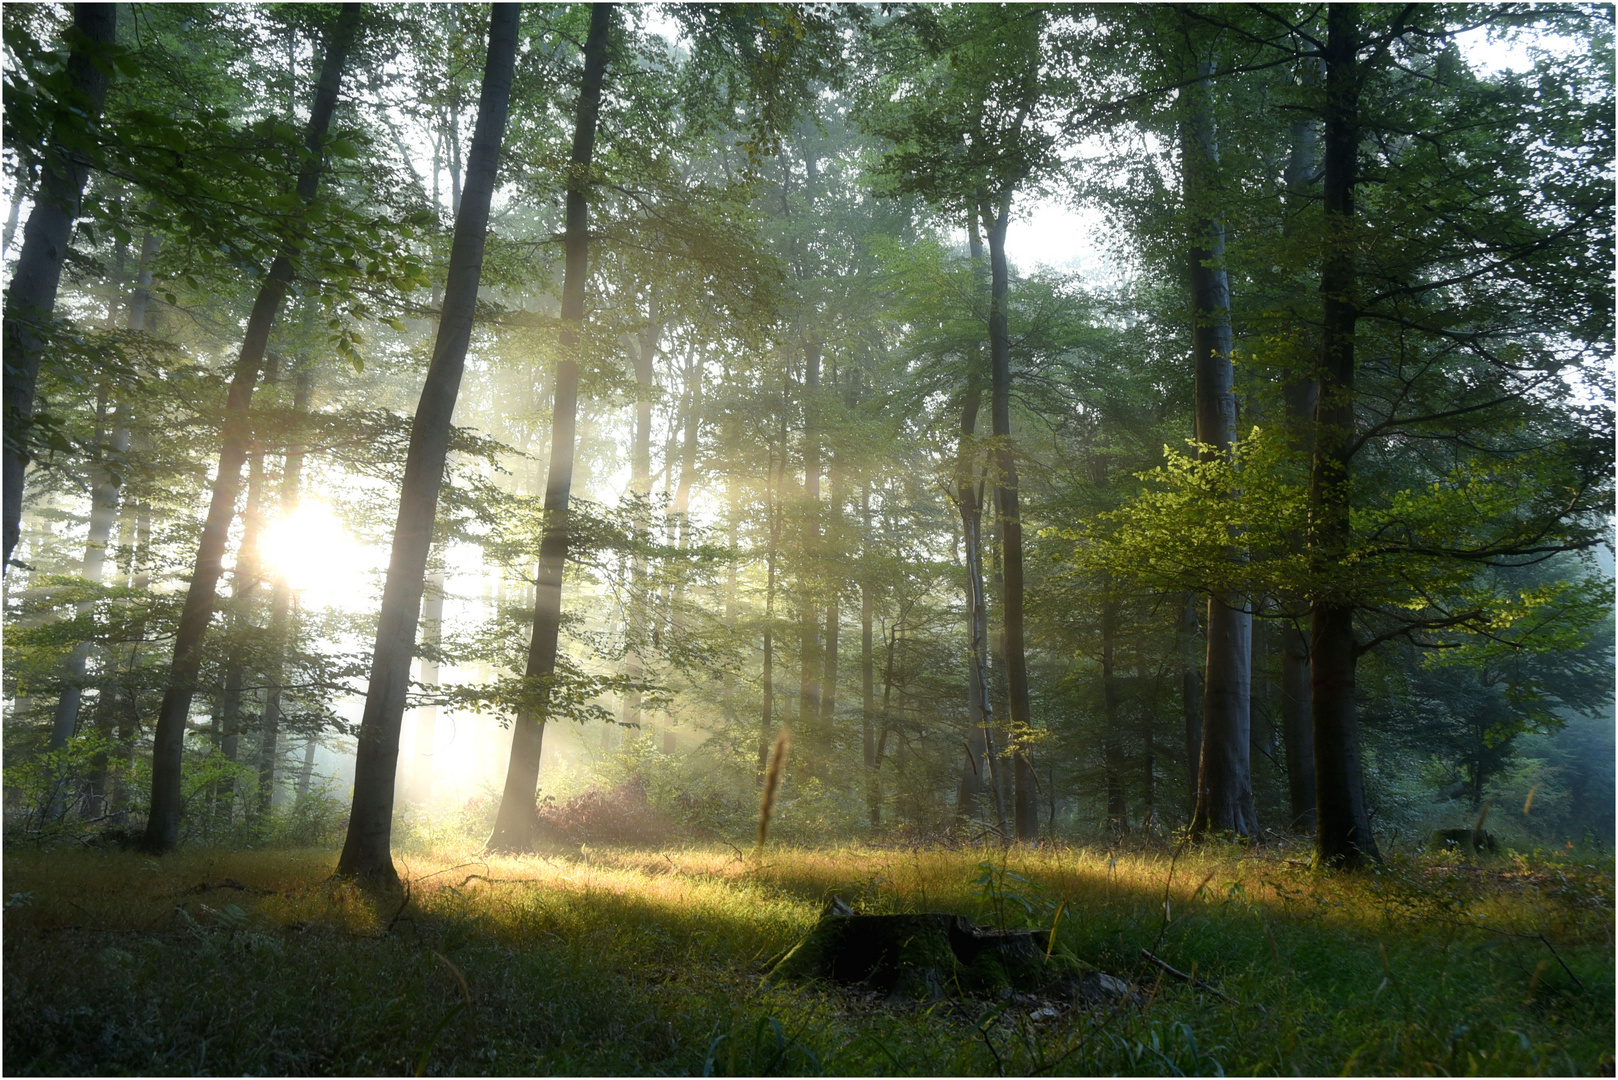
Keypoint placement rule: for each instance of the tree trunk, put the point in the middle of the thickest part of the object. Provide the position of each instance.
(1025, 804)
(644, 355)
(432, 635)
(281, 605)
(244, 584)
(1300, 391)
(1190, 696)
(1112, 751)
(307, 771)
(828, 685)
(867, 656)
(1148, 778)
(682, 505)
(809, 632)
(31, 298)
(513, 828)
(366, 850)
(103, 501)
(103, 512)
(977, 768)
(1343, 837)
(168, 742)
(1225, 784)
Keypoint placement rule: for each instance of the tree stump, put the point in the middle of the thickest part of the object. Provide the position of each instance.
(1470, 841)
(921, 957)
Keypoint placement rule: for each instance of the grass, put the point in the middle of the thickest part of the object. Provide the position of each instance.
(634, 962)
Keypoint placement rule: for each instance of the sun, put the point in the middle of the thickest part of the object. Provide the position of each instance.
(317, 556)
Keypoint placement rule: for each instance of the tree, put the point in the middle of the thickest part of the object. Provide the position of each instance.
(163, 823)
(514, 826)
(1225, 782)
(31, 297)
(367, 850)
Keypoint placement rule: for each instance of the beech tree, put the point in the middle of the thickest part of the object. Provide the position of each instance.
(513, 827)
(31, 296)
(367, 851)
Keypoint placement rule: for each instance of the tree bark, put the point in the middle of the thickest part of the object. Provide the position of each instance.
(809, 632)
(867, 655)
(31, 298)
(1300, 391)
(1343, 837)
(366, 850)
(432, 634)
(1025, 802)
(682, 504)
(1190, 696)
(644, 355)
(513, 828)
(163, 824)
(1112, 750)
(1225, 785)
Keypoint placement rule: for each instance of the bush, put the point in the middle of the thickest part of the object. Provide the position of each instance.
(623, 815)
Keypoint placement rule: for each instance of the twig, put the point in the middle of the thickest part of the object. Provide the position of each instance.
(403, 903)
(1193, 980)
(460, 866)
(1559, 960)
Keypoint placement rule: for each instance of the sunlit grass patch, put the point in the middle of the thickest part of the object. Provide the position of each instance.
(633, 961)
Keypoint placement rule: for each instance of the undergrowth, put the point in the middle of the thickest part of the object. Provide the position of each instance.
(631, 961)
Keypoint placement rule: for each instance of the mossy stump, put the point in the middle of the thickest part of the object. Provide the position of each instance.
(921, 957)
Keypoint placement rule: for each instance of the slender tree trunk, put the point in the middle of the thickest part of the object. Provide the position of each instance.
(644, 355)
(513, 828)
(1300, 391)
(31, 297)
(307, 771)
(244, 585)
(1343, 837)
(127, 708)
(432, 635)
(1112, 751)
(282, 604)
(1225, 786)
(809, 632)
(976, 769)
(163, 824)
(867, 656)
(1026, 806)
(682, 505)
(1190, 696)
(828, 686)
(104, 498)
(103, 512)
(366, 851)
(1148, 777)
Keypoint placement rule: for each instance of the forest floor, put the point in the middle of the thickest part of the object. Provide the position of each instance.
(607, 961)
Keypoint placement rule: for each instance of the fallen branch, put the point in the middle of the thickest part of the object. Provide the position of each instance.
(210, 886)
(1192, 979)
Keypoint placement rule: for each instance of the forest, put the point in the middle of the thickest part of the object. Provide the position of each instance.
(715, 476)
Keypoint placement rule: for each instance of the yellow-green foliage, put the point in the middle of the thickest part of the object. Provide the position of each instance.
(621, 961)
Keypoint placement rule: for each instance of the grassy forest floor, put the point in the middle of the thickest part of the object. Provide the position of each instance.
(646, 962)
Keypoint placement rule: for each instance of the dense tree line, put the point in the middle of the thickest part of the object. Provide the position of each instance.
(696, 332)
